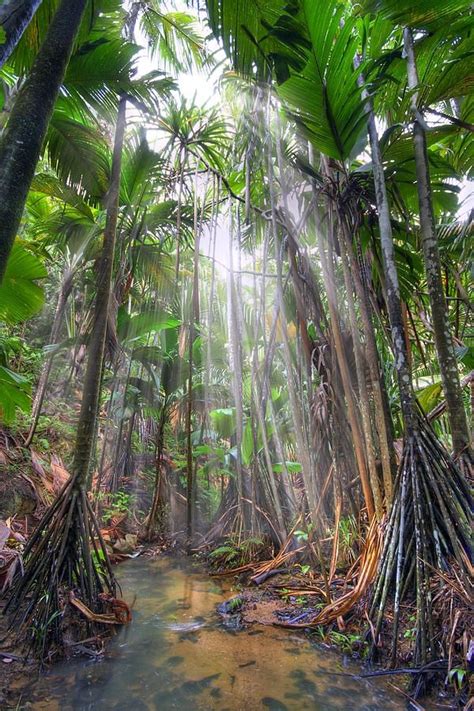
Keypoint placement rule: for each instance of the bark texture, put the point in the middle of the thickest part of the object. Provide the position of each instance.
(439, 311)
(15, 16)
(21, 142)
(92, 380)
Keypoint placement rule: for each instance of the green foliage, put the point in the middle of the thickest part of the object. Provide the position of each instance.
(20, 295)
(243, 29)
(235, 552)
(458, 677)
(224, 421)
(176, 38)
(410, 632)
(429, 396)
(423, 13)
(329, 111)
(303, 534)
(347, 642)
(247, 444)
(291, 467)
(120, 502)
(14, 393)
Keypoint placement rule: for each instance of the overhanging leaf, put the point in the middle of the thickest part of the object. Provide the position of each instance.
(20, 296)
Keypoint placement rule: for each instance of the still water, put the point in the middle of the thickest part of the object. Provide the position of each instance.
(177, 654)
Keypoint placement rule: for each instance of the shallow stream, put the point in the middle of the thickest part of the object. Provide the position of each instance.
(177, 654)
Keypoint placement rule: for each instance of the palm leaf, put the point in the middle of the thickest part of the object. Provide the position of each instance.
(175, 38)
(14, 393)
(20, 296)
(325, 97)
(416, 14)
(243, 28)
(78, 152)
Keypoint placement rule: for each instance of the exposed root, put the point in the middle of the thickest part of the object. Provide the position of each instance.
(65, 561)
(367, 571)
(428, 529)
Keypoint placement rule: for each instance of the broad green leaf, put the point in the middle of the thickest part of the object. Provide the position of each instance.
(223, 421)
(20, 296)
(324, 98)
(240, 26)
(149, 321)
(292, 467)
(14, 393)
(416, 14)
(429, 396)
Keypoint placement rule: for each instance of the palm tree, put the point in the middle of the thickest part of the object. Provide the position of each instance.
(15, 15)
(68, 535)
(442, 332)
(21, 142)
(322, 46)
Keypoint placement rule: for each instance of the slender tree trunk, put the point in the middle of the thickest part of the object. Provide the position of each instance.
(15, 16)
(235, 341)
(302, 443)
(150, 529)
(23, 137)
(364, 403)
(194, 320)
(394, 304)
(96, 347)
(358, 443)
(382, 419)
(439, 311)
(64, 293)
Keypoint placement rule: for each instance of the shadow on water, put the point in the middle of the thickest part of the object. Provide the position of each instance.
(178, 655)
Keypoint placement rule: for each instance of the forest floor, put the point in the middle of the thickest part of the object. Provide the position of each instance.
(28, 484)
(14, 667)
(271, 603)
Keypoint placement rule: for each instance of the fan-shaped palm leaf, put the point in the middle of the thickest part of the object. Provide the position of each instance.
(20, 296)
(329, 109)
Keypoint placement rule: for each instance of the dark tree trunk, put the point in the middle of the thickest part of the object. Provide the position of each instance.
(424, 530)
(66, 555)
(96, 347)
(15, 16)
(155, 505)
(439, 311)
(21, 142)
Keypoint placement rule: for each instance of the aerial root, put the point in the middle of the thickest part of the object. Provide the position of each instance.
(66, 567)
(428, 529)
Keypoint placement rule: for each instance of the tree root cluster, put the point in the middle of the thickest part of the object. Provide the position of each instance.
(427, 531)
(65, 561)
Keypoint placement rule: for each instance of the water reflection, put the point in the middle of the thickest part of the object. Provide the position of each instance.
(178, 655)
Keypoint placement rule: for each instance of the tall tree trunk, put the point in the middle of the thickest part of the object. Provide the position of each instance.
(15, 16)
(64, 292)
(235, 342)
(394, 304)
(23, 137)
(151, 522)
(194, 320)
(382, 416)
(439, 311)
(66, 555)
(364, 403)
(96, 346)
(352, 413)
